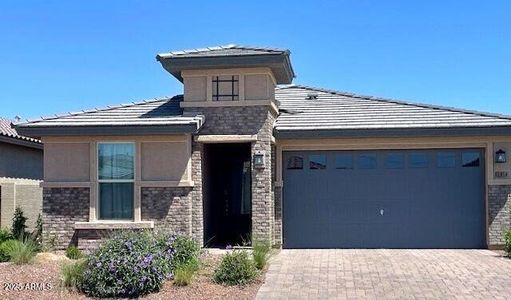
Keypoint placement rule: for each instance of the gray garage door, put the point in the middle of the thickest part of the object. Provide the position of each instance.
(384, 199)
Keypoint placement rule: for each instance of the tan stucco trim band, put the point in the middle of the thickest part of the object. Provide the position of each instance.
(114, 225)
(225, 138)
(270, 103)
(162, 183)
(65, 184)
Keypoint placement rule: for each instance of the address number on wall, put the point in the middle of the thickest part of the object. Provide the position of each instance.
(501, 174)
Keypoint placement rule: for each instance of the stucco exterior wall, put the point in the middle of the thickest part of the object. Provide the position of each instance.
(164, 161)
(67, 162)
(195, 88)
(258, 87)
(23, 193)
(20, 162)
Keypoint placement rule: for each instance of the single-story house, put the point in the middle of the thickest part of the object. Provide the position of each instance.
(244, 154)
(21, 172)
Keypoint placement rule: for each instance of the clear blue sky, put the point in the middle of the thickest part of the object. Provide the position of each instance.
(60, 56)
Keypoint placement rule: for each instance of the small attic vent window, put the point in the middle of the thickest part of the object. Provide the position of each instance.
(312, 96)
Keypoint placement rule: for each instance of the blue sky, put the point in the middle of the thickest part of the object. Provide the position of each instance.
(67, 56)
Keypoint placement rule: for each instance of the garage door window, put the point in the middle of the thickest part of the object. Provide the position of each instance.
(344, 161)
(317, 162)
(394, 161)
(367, 161)
(470, 159)
(295, 162)
(446, 160)
(418, 160)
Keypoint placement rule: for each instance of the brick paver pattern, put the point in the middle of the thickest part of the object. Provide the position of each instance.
(387, 274)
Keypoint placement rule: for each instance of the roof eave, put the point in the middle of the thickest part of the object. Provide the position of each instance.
(20, 142)
(279, 63)
(109, 130)
(392, 132)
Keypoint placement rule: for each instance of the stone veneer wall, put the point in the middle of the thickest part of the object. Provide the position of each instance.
(243, 120)
(62, 207)
(169, 207)
(499, 213)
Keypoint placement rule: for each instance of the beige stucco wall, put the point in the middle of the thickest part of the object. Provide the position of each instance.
(503, 169)
(67, 162)
(195, 88)
(258, 87)
(254, 84)
(23, 193)
(165, 161)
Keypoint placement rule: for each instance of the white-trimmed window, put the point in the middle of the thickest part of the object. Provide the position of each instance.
(116, 176)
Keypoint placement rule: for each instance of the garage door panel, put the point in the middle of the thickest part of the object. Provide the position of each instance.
(385, 199)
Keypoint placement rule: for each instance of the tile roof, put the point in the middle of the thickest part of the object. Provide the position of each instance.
(308, 108)
(8, 131)
(227, 50)
(159, 111)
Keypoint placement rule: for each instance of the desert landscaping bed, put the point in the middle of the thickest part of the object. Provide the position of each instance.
(40, 280)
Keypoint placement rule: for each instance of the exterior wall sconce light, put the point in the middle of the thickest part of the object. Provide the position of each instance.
(500, 156)
(259, 159)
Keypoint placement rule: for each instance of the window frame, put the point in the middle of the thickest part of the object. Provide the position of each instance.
(215, 82)
(99, 181)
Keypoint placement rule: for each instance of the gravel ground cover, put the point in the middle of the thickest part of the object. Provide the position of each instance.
(40, 280)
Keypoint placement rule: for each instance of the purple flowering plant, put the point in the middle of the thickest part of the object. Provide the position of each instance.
(132, 264)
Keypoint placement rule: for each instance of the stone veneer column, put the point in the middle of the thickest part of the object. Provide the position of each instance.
(240, 120)
(196, 195)
(499, 213)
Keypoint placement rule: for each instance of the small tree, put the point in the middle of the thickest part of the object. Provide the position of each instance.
(18, 224)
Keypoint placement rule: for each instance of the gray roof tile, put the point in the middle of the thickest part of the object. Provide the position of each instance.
(227, 50)
(162, 111)
(339, 110)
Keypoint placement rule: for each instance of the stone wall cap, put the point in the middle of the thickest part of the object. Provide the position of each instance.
(114, 225)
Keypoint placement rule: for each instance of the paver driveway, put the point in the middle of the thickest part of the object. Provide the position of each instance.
(387, 274)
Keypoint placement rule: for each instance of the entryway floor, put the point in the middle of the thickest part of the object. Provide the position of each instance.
(387, 274)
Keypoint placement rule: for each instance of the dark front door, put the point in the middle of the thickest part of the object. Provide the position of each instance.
(384, 199)
(228, 206)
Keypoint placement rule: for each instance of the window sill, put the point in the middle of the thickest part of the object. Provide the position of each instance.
(114, 225)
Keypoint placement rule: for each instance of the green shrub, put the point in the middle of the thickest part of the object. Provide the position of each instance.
(236, 268)
(261, 252)
(72, 274)
(37, 234)
(18, 228)
(129, 264)
(73, 253)
(183, 273)
(49, 242)
(186, 250)
(5, 235)
(19, 252)
(507, 240)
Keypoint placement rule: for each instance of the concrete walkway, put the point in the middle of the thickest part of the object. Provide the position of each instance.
(387, 274)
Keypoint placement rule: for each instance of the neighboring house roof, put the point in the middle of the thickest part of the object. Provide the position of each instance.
(227, 50)
(162, 115)
(230, 56)
(9, 134)
(309, 112)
